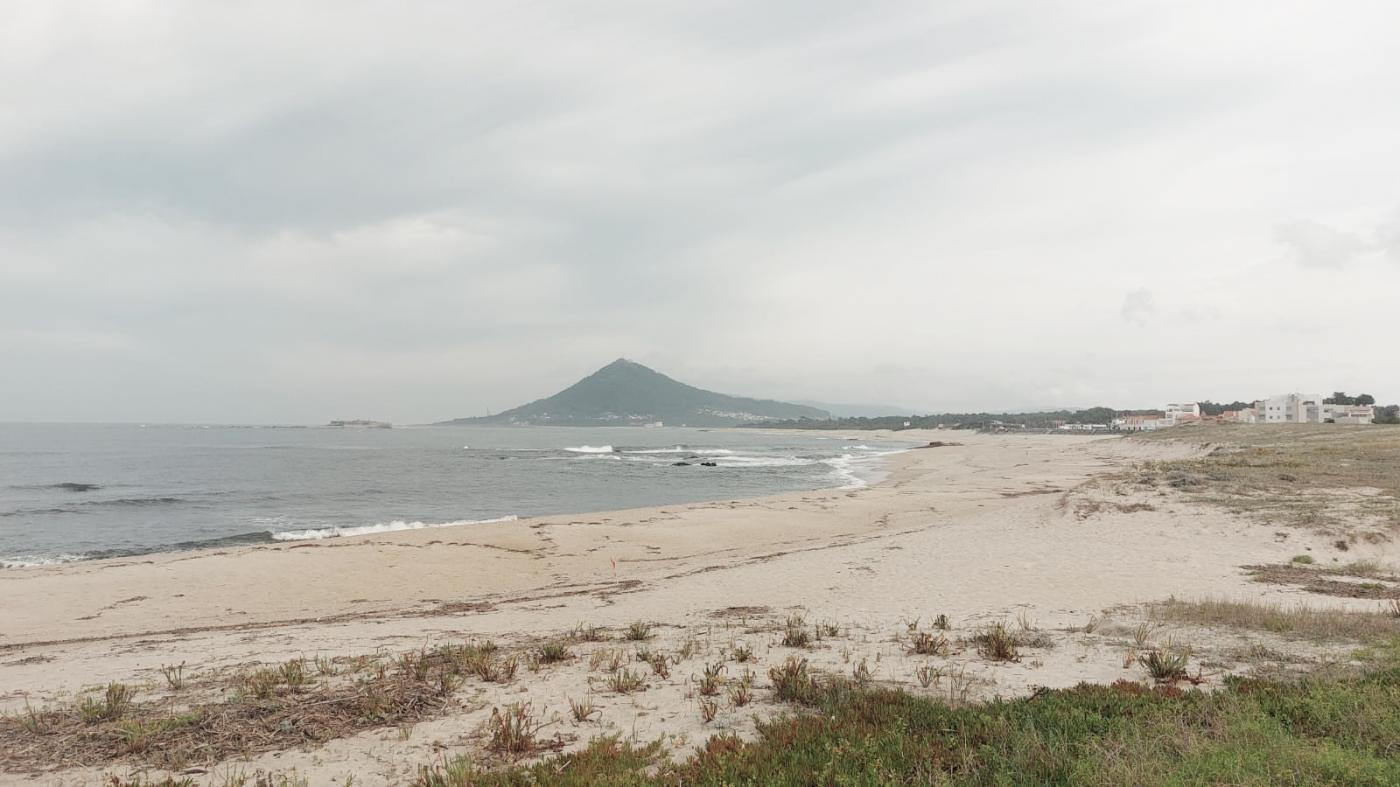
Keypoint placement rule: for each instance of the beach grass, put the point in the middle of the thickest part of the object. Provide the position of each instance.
(1342, 479)
(1342, 728)
(268, 709)
(1301, 620)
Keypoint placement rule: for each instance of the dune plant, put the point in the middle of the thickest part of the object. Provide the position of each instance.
(710, 681)
(553, 652)
(927, 675)
(792, 681)
(795, 634)
(1166, 664)
(114, 703)
(583, 710)
(926, 644)
(512, 729)
(997, 643)
(625, 681)
(174, 675)
(740, 695)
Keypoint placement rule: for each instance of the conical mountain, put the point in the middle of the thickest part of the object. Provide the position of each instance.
(625, 393)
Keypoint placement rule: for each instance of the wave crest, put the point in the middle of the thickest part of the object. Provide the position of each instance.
(382, 527)
(590, 449)
(680, 449)
(29, 561)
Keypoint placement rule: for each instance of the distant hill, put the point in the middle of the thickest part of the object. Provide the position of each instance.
(1038, 420)
(625, 393)
(861, 410)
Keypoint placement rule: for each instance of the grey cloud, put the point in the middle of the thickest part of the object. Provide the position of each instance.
(1316, 245)
(1139, 306)
(245, 212)
(1388, 238)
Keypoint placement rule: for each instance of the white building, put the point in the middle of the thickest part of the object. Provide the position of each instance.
(1141, 423)
(1348, 413)
(1183, 412)
(1294, 408)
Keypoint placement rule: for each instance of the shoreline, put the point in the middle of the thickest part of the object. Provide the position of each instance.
(500, 533)
(268, 538)
(986, 531)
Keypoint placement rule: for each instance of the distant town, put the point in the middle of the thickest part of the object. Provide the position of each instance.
(1290, 408)
(1293, 408)
(360, 423)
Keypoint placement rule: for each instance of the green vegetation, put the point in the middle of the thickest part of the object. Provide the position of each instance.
(1340, 397)
(1211, 408)
(1337, 729)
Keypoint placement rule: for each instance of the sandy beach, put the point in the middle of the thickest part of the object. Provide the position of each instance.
(991, 529)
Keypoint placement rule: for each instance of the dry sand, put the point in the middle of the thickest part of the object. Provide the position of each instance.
(989, 530)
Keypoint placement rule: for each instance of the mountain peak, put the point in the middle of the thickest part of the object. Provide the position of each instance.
(623, 363)
(626, 393)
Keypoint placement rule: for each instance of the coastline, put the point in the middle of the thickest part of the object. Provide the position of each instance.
(978, 532)
(487, 539)
(841, 467)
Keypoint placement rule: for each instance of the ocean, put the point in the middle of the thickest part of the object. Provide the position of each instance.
(80, 491)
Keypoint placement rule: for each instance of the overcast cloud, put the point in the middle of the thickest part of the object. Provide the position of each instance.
(290, 212)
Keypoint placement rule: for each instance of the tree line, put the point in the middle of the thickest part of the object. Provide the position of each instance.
(1389, 414)
(1340, 397)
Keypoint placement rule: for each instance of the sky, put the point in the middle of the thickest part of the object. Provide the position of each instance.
(272, 212)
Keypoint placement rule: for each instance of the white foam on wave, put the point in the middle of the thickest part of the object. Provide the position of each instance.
(847, 468)
(382, 527)
(590, 449)
(842, 470)
(682, 450)
(29, 561)
(763, 461)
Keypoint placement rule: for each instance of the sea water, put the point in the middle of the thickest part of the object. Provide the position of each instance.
(78, 491)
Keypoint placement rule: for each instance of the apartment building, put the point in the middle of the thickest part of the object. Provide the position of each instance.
(1294, 408)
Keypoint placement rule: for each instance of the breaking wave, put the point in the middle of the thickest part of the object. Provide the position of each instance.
(382, 527)
(28, 561)
(680, 449)
(763, 461)
(846, 468)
